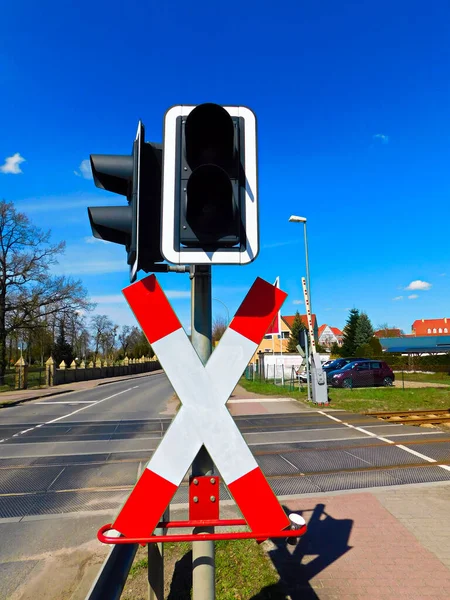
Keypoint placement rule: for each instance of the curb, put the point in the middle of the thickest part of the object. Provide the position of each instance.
(57, 393)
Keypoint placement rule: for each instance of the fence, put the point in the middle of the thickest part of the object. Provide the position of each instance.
(72, 375)
(26, 377)
(16, 379)
(291, 378)
(408, 372)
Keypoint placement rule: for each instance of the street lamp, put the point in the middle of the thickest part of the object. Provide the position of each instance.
(297, 219)
(226, 308)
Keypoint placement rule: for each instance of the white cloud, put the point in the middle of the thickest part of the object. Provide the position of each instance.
(85, 170)
(278, 244)
(174, 294)
(120, 299)
(398, 298)
(418, 285)
(381, 138)
(111, 299)
(442, 274)
(297, 302)
(69, 201)
(413, 296)
(90, 239)
(12, 163)
(87, 266)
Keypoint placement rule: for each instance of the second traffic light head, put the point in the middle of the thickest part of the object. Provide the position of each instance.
(138, 225)
(210, 207)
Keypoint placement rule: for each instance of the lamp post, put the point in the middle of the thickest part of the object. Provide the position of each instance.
(226, 308)
(297, 219)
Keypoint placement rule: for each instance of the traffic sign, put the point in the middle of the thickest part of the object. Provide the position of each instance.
(203, 418)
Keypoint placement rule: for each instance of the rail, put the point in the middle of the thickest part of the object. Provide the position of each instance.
(414, 417)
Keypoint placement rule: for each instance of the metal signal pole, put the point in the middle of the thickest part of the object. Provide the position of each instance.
(203, 563)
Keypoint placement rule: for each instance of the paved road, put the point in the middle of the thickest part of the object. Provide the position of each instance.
(63, 468)
(67, 463)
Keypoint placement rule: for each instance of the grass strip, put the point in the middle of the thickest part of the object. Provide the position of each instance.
(243, 571)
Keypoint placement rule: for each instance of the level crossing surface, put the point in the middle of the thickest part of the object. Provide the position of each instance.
(68, 463)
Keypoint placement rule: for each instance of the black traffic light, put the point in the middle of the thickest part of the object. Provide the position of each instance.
(210, 206)
(136, 226)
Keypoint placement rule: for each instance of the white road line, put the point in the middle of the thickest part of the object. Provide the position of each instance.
(418, 454)
(67, 402)
(330, 417)
(90, 405)
(93, 403)
(289, 462)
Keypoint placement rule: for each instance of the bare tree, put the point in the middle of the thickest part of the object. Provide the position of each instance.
(104, 332)
(218, 329)
(129, 337)
(26, 285)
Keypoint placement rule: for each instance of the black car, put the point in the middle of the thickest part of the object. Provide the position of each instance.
(339, 363)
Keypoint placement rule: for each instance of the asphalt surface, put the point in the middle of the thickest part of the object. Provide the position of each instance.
(60, 481)
(68, 463)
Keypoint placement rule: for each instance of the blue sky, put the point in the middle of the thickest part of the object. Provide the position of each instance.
(352, 101)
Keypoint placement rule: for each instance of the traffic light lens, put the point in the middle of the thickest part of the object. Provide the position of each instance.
(211, 210)
(209, 137)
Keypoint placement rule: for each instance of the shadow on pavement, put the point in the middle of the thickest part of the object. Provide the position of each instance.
(325, 542)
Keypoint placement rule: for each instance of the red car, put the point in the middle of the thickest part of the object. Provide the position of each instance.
(362, 373)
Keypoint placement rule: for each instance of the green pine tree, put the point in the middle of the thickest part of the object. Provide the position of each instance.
(297, 326)
(349, 333)
(377, 349)
(364, 330)
(62, 350)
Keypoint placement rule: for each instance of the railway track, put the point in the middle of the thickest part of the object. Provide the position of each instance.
(414, 417)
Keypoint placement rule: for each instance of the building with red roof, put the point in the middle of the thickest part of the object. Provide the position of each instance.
(431, 327)
(388, 332)
(330, 335)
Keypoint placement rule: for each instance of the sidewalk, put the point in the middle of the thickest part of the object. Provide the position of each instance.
(378, 544)
(243, 402)
(18, 396)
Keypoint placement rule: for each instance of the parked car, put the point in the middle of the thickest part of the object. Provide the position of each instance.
(362, 373)
(339, 363)
(327, 362)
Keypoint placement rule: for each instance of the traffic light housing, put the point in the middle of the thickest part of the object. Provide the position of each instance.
(138, 225)
(210, 196)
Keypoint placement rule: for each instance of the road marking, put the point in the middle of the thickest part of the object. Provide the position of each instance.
(289, 462)
(418, 454)
(67, 402)
(94, 403)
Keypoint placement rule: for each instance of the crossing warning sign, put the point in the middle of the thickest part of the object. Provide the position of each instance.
(203, 418)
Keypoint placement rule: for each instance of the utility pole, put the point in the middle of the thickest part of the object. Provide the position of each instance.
(203, 563)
